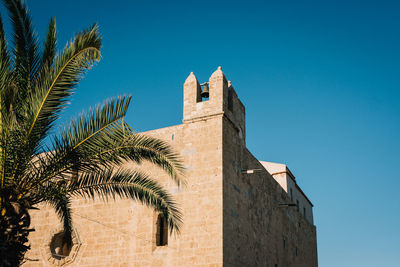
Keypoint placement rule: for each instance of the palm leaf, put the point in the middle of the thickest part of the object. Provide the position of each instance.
(50, 45)
(34, 88)
(27, 58)
(100, 139)
(54, 88)
(4, 100)
(4, 55)
(65, 155)
(128, 184)
(90, 125)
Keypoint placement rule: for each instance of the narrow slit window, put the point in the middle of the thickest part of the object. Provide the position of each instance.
(162, 231)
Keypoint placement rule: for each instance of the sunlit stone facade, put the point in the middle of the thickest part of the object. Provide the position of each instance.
(235, 212)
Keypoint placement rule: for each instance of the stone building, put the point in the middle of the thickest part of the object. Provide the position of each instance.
(238, 211)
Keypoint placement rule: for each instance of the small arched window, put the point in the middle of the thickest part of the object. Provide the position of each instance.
(162, 231)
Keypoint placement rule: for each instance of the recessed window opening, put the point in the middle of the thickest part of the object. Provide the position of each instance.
(284, 242)
(205, 92)
(162, 231)
(304, 211)
(291, 194)
(298, 205)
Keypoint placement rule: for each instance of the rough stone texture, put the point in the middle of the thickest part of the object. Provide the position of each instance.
(230, 218)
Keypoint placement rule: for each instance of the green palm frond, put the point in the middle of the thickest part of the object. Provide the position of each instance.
(53, 90)
(100, 139)
(56, 86)
(140, 147)
(82, 132)
(128, 184)
(34, 88)
(4, 55)
(50, 45)
(4, 77)
(27, 58)
(4, 99)
(100, 136)
(69, 150)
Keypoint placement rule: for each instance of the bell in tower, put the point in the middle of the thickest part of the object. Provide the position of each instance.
(205, 93)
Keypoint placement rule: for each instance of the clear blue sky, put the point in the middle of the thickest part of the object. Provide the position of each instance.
(319, 79)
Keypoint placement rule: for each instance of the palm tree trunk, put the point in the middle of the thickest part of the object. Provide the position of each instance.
(14, 231)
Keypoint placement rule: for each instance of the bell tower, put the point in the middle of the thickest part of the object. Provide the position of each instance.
(222, 101)
(196, 104)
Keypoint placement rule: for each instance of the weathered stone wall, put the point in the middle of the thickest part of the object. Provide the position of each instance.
(257, 231)
(230, 218)
(122, 233)
(255, 226)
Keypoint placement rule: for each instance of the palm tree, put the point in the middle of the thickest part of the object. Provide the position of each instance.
(38, 164)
